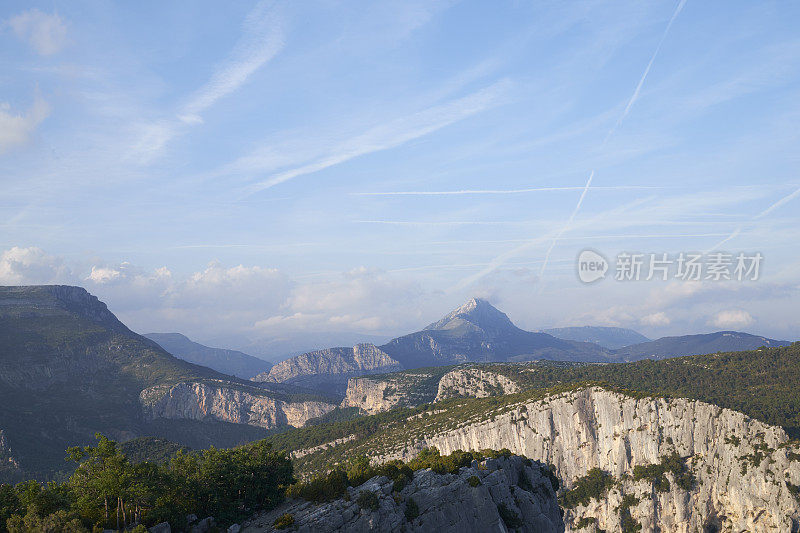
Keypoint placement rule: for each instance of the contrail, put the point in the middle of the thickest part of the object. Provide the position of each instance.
(786, 199)
(635, 94)
(779, 203)
(505, 191)
(498, 261)
(566, 226)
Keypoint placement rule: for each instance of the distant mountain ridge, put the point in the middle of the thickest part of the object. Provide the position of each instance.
(330, 369)
(475, 331)
(232, 362)
(607, 337)
(720, 341)
(479, 332)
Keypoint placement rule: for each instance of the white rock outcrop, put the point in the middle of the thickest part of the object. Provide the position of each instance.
(211, 402)
(514, 487)
(373, 394)
(745, 470)
(474, 382)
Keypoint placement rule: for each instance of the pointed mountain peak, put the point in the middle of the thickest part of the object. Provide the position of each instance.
(477, 312)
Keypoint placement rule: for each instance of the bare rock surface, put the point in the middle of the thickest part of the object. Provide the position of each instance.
(445, 503)
(474, 382)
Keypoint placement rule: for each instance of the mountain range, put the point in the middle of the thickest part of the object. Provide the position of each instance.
(475, 331)
(607, 337)
(70, 368)
(719, 341)
(478, 332)
(232, 362)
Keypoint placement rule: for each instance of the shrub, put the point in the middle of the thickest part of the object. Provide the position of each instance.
(510, 518)
(656, 473)
(322, 488)
(629, 525)
(284, 521)
(473, 481)
(368, 500)
(412, 509)
(592, 486)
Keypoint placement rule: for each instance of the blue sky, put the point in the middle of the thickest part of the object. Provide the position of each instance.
(259, 170)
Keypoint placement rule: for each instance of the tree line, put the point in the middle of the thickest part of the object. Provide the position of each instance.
(108, 491)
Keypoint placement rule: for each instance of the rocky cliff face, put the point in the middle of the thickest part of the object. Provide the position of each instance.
(502, 492)
(474, 383)
(217, 402)
(331, 367)
(373, 394)
(746, 472)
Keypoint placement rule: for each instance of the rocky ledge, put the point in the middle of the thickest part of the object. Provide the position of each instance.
(217, 402)
(474, 382)
(503, 494)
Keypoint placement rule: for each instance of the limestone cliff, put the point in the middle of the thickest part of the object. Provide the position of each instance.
(330, 369)
(746, 472)
(496, 495)
(373, 394)
(474, 382)
(227, 403)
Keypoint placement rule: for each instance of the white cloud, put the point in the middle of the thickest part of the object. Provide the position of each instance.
(16, 128)
(362, 299)
(103, 275)
(46, 33)
(655, 319)
(29, 266)
(732, 319)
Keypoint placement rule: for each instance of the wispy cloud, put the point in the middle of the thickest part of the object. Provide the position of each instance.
(16, 128)
(395, 133)
(448, 222)
(46, 33)
(262, 38)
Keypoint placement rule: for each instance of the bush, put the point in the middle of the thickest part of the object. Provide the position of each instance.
(412, 509)
(656, 473)
(368, 500)
(592, 486)
(284, 521)
(322, 488)
(474, 481)
(510, 518)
